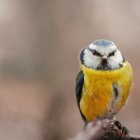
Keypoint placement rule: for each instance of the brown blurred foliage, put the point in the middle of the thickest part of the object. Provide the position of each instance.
(39, 46)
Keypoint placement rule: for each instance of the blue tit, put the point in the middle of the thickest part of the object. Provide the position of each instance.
(104, 81)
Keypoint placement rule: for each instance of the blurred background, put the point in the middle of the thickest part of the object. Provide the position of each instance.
(40, 42)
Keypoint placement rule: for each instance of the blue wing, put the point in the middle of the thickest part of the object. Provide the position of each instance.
(79, 87)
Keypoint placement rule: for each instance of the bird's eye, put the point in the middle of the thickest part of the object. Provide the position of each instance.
(96, 53)
(112, 54)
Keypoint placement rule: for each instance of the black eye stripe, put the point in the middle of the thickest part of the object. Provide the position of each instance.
(94, 52)
(112, 53)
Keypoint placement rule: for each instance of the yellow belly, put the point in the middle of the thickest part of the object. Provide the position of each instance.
(98, 97)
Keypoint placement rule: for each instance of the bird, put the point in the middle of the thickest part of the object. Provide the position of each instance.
(103, 82)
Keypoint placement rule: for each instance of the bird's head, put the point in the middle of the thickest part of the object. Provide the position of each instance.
(102, 55)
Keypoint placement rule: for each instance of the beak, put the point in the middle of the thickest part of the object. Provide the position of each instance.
(104, 57)
(104, 60)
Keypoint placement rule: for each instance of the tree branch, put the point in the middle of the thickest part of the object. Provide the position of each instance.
(104, 130)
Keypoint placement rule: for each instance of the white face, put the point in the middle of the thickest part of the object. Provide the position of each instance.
(102, 55)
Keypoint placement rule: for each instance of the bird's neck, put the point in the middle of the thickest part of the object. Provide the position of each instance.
(107, 74)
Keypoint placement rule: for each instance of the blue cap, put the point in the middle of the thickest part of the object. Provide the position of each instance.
(103, 42)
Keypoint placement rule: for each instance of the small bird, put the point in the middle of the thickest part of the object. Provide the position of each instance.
(104, 81)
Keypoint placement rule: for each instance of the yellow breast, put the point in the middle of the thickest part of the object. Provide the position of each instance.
(97, 94)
